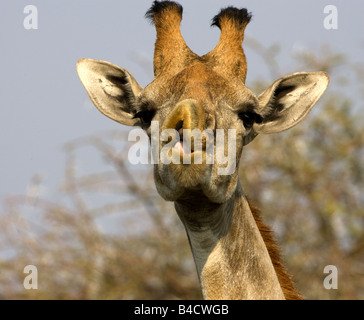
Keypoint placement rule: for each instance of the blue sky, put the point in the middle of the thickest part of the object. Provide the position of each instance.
(44, 105)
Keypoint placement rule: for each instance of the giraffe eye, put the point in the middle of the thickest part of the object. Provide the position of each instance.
(145, 116)
(249, 118)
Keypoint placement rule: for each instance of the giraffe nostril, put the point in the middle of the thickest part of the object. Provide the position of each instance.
(180, 132)
(179, 127)
(188, 114)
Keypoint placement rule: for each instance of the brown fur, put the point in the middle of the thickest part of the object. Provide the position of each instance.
(284, 278)
(208, 93)
(228, 56)
(171, 52)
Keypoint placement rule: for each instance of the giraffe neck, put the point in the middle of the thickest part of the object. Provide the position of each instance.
(231, 258)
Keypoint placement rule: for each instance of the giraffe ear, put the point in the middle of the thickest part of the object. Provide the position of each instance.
(112, 89)
(289, 99)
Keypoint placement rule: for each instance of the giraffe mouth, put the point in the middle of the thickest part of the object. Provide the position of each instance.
(183, 146)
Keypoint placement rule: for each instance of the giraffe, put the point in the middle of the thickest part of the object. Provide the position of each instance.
(235, 253)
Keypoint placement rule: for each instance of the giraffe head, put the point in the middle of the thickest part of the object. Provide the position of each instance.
(206, 93)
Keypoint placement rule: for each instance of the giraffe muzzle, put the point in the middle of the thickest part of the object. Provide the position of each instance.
(188, 120)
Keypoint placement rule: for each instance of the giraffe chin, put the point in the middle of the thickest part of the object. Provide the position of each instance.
(173, 180)
(180, 181)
